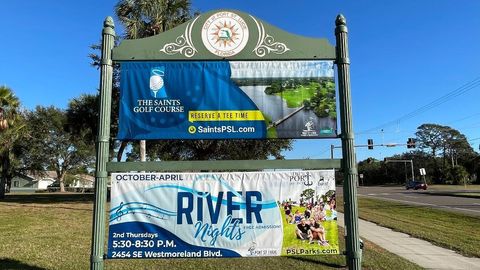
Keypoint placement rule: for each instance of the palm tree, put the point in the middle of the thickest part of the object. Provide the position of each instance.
(9, 133)
(144, 18)
(9, 105)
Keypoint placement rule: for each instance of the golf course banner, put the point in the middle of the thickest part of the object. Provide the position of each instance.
(227, 100)
(213, 215)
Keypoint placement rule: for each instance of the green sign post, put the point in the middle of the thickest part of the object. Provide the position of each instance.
(349, 165)
(258, 41)
(101, 174)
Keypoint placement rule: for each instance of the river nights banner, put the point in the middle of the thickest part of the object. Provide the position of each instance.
(201, 215)
(227, 100)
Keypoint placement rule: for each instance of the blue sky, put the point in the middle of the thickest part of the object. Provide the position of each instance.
(404, 55)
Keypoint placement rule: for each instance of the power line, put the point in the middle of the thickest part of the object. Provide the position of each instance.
(457, 92)
(476, 125)
(474, 139)
(321, 152)
(413, 131)
(463, 118)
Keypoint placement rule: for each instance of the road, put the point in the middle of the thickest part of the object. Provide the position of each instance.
(470, 206)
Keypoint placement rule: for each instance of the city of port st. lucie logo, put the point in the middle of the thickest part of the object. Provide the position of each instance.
(225, 34)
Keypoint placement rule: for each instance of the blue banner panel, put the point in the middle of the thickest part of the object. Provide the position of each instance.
(227, 100)
(214, 215)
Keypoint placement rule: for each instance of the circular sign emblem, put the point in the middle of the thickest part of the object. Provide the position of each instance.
(225, 34)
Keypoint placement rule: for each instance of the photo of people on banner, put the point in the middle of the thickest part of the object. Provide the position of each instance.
(235, 214)
(309, 221)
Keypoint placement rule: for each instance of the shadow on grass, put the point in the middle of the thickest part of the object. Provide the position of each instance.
(51, 205)
(474, 194)
(48, 198)
(312, 260)
(14, 264)
(440, 207)
(389, 206)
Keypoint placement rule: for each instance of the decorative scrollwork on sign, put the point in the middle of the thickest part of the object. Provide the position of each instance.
(266, 44)
(183, 44)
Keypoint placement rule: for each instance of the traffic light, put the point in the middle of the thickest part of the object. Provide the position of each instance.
(370, 144)
(411, 143)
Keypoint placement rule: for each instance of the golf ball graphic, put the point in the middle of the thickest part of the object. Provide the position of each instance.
(156, 82)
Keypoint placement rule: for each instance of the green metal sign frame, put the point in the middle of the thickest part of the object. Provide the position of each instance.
(184, 42)
(264, 42)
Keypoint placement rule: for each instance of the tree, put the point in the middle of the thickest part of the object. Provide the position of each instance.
(431, 137)
(144, 18)
(213, 149)
(452, 144)
(455, 144)
(82, 117)
(458, 175)
(373, 172)
(307, 194)
(53, 146)
(10, 132)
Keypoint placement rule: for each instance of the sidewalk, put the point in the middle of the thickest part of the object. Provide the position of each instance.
(415, 250)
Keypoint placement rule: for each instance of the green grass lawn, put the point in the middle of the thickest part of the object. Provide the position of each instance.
(295, 97)
(447, 229)
(52, 231)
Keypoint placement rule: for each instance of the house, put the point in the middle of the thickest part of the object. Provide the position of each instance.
(32, 181)
(75, 183)
(82, 181)
(36, 181)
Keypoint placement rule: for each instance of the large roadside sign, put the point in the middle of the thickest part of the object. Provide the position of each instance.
(225, 75)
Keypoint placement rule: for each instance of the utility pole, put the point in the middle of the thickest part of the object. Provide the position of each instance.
(405, 161)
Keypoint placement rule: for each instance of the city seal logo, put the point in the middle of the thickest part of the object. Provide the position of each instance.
(157, 85)
(225, 34)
